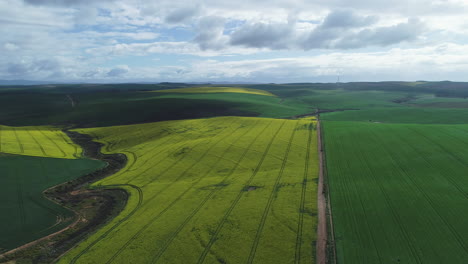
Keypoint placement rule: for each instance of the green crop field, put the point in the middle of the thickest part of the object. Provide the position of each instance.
(37, 141)
(248, 104)
(235, 185)
(26, 214)
(217, 90)
(399, 192)
(415, 115)
(219, 190)
(98, 106)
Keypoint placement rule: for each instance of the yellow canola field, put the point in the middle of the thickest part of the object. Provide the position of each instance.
(218, 190)
(217, 90)
(37, 141)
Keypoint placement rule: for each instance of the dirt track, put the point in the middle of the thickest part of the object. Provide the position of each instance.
(321, 245)
(35, 242)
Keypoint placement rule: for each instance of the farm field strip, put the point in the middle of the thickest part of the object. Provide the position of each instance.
(225, 133)
(174, 163)
(194, 212)
(230, 209)
(286, 202)
(193, 185)
(394, 186)
(216, 90)
(390, 205)
(37, 141)
(236, 200)
(245, 185)
(161, 147)
(270, 200)
(302, 204)
(431, 199)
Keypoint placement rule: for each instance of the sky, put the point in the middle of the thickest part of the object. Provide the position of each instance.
(264, 41)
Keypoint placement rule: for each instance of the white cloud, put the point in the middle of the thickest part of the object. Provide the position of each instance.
(75, 39)
(10, 46)
(118, 71)
(430, 63)
(142, 49)
(139, 35)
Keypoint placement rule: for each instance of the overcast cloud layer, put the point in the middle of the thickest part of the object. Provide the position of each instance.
(245, 41)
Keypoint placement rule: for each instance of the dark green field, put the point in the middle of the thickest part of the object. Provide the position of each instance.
(414, 115)
(117, 104)
(97, 106)
(399, 192)
(25, 214)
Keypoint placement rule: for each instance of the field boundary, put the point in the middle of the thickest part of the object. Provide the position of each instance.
(68, 195)
(325, 246)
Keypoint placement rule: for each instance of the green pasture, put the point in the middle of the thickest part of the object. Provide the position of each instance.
(416, 115)
(45, 157)
(95, 108)
(398, 192)
(212, 89)
(37, 141)
(26, 214)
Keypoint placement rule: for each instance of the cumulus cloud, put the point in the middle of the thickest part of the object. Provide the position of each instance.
(347, 19)
(260, 35)
(383, 36)
(118, 71)
(179, 48)
(324, 37)
(182, 15)
(17, 69)
(137, 35)
(10, 46)
(92, 74)
(66, 3)
(394, 64)
(81, 39)
(210, 33)
(86, 15)
(42, 67)
(46, 65)
(342, 29)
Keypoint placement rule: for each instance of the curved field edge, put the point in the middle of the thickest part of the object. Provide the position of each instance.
(38, 161)
(217, 90)
(112, 142)
(134, 199)
(31, 215)
(92, 207)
